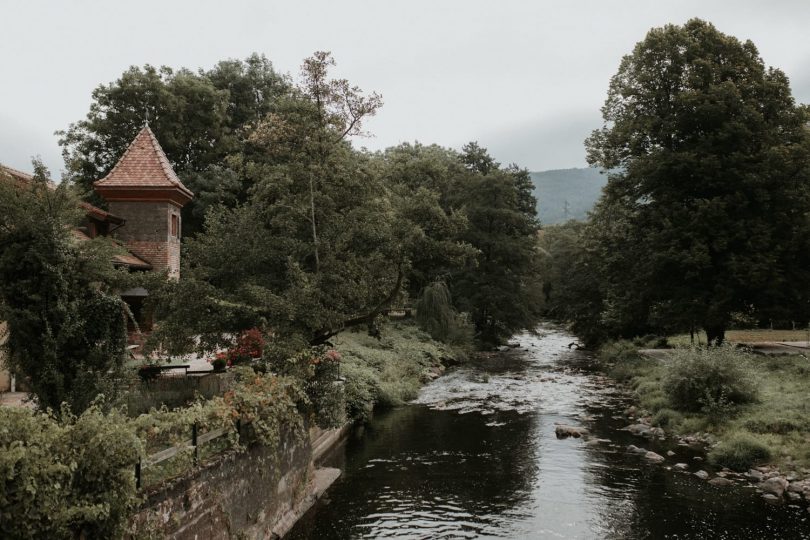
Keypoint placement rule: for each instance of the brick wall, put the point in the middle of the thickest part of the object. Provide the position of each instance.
(147, 232)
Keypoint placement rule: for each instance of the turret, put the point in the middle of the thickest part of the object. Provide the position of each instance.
(144, 190)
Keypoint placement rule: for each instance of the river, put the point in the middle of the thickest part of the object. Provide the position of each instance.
(476, 456)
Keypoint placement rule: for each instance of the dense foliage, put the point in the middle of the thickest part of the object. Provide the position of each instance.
(66, 326)
(71, 478)
(330, 237)
(705, 211)
(436, 315)
(497, 284)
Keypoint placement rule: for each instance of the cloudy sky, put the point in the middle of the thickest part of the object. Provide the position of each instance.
(524, 78)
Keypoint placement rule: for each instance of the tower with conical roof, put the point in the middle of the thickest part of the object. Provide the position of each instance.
(143, 189)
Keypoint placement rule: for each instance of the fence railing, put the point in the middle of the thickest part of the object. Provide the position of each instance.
(194, 444)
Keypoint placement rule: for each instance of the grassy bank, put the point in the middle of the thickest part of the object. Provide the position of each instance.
(756, 335)
(755, 407)
(389, 371)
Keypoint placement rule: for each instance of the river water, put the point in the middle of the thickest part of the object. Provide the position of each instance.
(476, 456)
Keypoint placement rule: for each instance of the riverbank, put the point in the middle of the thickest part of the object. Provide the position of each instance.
(749, 412)
(389, 370)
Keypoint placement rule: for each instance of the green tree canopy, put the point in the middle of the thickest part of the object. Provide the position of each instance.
(200, 118)
(66, 327)
(484, 207)
(705, 212)
(321, 242)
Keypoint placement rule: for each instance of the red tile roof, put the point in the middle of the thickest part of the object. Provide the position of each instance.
(21, 177)
(143, 165)
(24, 178)
(128, 259)
(101, 215)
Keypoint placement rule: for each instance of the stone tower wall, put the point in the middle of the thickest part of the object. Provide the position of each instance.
(148, 232)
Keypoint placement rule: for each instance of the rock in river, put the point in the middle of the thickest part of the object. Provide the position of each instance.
(720, 481)
(652, 456)
(775, 485)
(703, 475)
(563, 431)
(639, 429)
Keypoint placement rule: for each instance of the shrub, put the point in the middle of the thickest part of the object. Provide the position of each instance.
(361, 390)
(654, 402)
(67, 479)
(389, 371)
(708, 380)
(618, 352)
(667, 418)
(219, 364)
(739, 453)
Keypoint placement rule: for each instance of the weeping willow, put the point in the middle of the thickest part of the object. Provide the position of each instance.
(435, 314)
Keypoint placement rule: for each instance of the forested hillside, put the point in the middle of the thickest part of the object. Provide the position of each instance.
(580, 188)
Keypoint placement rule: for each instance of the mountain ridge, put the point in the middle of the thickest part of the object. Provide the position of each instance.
(564, 194)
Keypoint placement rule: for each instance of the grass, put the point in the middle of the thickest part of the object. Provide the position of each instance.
(777, 420)
(743, 336)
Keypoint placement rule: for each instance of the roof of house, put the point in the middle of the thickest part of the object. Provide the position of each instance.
(143, 165)
(123, 259)
(94, 211)
(128, 259)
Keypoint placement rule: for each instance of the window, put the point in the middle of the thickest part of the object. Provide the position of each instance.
(175, 226)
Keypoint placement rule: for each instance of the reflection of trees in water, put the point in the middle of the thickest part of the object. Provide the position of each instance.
(428, 461)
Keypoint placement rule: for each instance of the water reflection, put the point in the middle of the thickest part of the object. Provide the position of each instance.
(476, 457)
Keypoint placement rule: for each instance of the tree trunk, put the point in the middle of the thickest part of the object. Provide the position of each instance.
(715, 335)
(314, 227)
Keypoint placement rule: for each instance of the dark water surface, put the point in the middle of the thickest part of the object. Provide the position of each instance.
(476, 457)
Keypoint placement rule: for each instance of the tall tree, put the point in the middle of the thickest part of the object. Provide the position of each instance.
(322, 244)
(502, 292)
(66, 327)
(709, 155)
(200, 118)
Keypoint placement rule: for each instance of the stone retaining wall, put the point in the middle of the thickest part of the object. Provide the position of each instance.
(239, 493)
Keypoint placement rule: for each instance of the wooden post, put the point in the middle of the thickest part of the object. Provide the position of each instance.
(194, 443)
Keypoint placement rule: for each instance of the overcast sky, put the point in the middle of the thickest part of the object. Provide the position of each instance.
(524, 78)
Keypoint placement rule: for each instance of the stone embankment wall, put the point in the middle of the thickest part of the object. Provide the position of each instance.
(259, 493)
(247, 492)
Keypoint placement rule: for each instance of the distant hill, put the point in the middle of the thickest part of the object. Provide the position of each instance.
(580, 188)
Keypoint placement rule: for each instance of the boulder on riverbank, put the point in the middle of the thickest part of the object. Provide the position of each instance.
(645, 430)
(775, 485)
